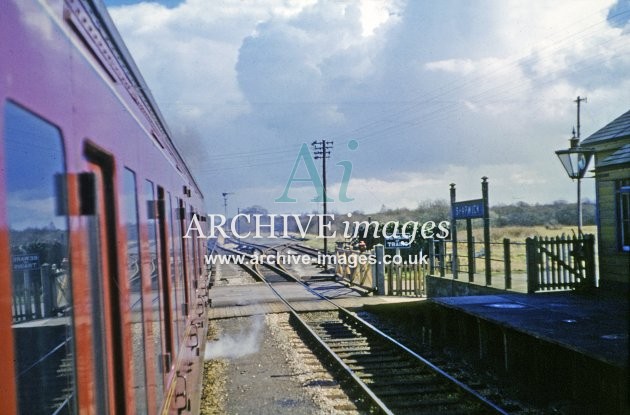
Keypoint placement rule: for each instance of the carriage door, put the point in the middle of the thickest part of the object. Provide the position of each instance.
(97, 205)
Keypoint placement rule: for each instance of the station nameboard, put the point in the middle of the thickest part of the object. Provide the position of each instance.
(468, 209)
(397, 242)
(25, 262)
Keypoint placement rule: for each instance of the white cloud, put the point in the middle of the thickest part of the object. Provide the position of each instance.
(434, 92)
(457, 66)
(375, 13)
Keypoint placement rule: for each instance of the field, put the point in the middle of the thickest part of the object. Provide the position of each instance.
(516, 234)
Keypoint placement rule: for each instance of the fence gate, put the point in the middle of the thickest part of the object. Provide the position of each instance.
(354, 267)
(405, 279)
(560, 263)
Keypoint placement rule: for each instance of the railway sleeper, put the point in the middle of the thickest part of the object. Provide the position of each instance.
(336, 333)
(346, 340)
(352, 353)
(350, 349)
(403, 381)
(369, 358)
(336, 324)
(348, 344)
(418, 391)
(327, 335)
(454, 410)
(388, 371)
(341, 341)
(322, 322)
(377, 368)
(364, 345)
(439, 403)
(383, 359)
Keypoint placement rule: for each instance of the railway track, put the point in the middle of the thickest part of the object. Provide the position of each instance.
(382, 375)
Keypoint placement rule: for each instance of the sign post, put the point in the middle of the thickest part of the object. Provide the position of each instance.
(471, 251)
(25, 262)
(454, 262)
(28, 263)
(486, 228)
(397, 242)
(472, 209)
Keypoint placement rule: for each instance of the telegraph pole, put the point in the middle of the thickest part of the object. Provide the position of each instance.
(321, 149)
(578, 101)
(579, 185)
(225, 199)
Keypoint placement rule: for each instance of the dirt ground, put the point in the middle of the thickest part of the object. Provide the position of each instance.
(250, 369)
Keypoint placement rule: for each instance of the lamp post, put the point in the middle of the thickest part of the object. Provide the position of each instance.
(575, 161)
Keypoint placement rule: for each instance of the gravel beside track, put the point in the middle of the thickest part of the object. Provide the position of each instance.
(258, 365)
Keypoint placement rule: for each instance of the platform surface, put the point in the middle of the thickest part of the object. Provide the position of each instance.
(592, 324)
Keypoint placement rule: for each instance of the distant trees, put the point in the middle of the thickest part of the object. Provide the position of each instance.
(558, 213)
(553, 214)
(254, 210)
(49, 244)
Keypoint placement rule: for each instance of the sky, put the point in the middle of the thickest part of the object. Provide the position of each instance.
(414, 95)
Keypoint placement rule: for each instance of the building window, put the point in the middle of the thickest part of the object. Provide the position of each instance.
(623, 214)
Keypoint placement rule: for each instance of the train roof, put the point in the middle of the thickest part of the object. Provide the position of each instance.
(119, 49)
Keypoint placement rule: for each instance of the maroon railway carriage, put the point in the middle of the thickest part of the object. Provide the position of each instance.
(101, 299)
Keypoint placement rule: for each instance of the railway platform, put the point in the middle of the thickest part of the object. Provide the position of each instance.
(564, 346)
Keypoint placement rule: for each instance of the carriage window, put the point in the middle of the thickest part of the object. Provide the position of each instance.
(184, 252)
(194, 242)
(175, 311)
(130, 210)
(40, 274)
(156, 325)
(190, 262)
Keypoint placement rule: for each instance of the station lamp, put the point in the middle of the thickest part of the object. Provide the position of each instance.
(575, 161)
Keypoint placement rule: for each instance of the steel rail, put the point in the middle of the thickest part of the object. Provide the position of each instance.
(340, 366)
(353, 320)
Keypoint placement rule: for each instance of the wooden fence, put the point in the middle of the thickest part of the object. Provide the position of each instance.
(401, 277)
(506, 259)
(40, 293)
(560, 263)
(549, 264)
(355, 268)
(405, 278)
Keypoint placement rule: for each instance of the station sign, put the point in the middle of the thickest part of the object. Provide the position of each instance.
(25, 262)
(468, 209)
(398, 242)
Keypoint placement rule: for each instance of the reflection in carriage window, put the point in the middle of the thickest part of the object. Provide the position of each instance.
(175, 311)
(155, 289)
(179, 264)
(40, 272)
(130, 210)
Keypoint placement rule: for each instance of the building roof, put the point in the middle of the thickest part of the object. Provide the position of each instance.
(621, 156)
(617, 128)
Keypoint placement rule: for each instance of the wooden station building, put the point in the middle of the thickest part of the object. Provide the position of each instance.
(611, 146)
